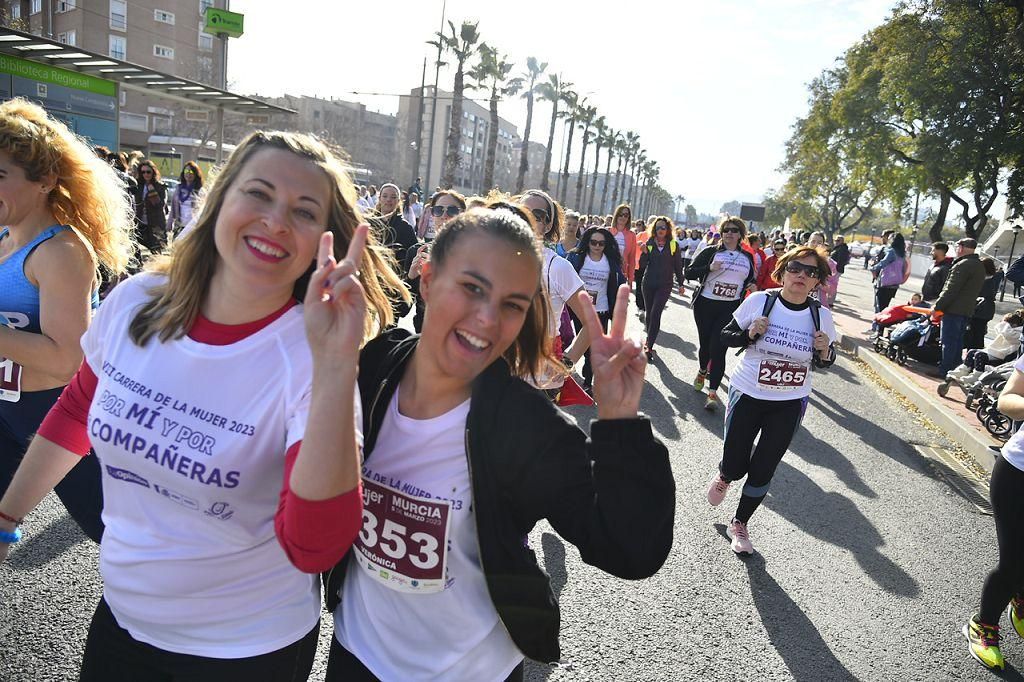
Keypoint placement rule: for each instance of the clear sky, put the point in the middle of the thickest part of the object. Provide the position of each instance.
(712, 87)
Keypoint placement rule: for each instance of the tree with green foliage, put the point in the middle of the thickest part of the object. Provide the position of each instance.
(492, 73)
(462, 44)
(534, 69)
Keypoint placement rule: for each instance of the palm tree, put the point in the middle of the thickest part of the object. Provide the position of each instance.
(533, 71)
(491, 72)
(611, 142)
(638, 162)
(622, 151)
(554, 91)
(585, 119)
(632, 147)
(600, 132)
(573, 104)
(462, 44)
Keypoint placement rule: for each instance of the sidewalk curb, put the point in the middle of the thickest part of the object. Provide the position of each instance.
(966, 437)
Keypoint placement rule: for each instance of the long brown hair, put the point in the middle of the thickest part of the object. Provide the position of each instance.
(190, 266)
(532, 350)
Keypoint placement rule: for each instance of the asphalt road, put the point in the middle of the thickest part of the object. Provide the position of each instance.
(867, 564)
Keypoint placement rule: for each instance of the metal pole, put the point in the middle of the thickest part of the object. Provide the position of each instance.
(419, 123)
(220, 134)
(1009, 262)
(433, 104)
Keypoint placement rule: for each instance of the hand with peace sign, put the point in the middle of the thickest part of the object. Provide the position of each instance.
(619, 363)
(335, 305)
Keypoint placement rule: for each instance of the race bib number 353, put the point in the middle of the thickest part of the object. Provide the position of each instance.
(404, 540)
(778, 375)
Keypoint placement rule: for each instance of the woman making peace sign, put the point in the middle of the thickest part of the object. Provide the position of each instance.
(462, 458)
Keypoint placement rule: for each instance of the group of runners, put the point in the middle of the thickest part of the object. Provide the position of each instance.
(245, 414)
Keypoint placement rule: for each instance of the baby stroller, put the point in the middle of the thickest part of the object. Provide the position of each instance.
(984, 396)
(917, 338)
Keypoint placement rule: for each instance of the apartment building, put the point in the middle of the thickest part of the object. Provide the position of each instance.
(166, 35)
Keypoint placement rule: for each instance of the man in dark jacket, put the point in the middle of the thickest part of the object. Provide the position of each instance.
(957, 301)
(936, 276)
(840, 254)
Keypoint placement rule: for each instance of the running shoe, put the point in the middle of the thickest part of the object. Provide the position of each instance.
(1017, 615)
(983, 643)
(717, 489)
(712, 401)
(698, 382)
(737, 532)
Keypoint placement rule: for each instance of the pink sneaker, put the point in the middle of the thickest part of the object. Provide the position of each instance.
(737, 532)
(716, 490)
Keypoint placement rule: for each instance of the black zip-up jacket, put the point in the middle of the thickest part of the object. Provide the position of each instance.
(700, 267)
(660, 266)
(935, 279)
(612, 496)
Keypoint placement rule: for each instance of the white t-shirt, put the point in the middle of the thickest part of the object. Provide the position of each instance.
(595, 279)
(620, 239)
(778, 365)
(561, 281)
(191, 439)
(1013, 451)
(726, 283)
(415, 604)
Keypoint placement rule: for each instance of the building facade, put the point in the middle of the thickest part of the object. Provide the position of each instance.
(166, 35)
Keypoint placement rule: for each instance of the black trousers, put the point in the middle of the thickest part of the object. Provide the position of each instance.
(655, 297)
(746, 417)
(588, 370)
(711, 318)
(343, 666)
(112, 655)
(638, 290)
(1007, 578)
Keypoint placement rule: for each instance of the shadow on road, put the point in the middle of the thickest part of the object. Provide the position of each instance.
(791, 632)
(875, 436)
(816, 451)
(830, 517)
(39, 548)
(554, 564)
(667, 339)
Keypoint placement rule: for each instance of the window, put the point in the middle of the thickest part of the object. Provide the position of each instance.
(130, 121)
(118, 47)
(163, 51)
(35, 7)
(66, 6)
(122, 96)
(161, 124)
(163, 17)
(67, 37)
(205, 5)
(205, 41)
(16, 10)
(119, 15)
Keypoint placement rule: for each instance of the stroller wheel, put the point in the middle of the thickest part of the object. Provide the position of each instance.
(901, 357)
(878, 344)
(984, 405)
(943, 389)
(891, 352)
(998, 387)
(999, 425)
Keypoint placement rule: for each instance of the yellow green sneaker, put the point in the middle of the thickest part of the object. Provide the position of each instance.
(983, 643)
(1017, 615)
(698, 382)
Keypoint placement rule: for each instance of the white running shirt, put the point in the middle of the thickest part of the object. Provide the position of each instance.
(595, 279)
(726, 283)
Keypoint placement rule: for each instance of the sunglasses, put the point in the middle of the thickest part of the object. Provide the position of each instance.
(541, 214)
(730, 230)
(147, 172)
(438, 211)
(809, 270)
(597, 242)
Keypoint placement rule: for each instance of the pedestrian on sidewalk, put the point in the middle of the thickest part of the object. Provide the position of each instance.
(985, 309)
(936, 276)
(890, 272)
(840, 254)
(1003, 586)
(957, 302)
(826, 291)
(784, 333)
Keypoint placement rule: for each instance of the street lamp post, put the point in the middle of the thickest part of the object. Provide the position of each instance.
(1009, 261)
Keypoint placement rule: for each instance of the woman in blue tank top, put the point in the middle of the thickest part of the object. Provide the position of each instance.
(64, 214)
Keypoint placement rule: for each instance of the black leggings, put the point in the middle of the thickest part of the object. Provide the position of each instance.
(588, 370)
(655, 298)
(1007, 578)
(711, 318)
(745, 417)
(113, 655)
(343, 666)
(81, 490)
(638, 282)
(883, 297)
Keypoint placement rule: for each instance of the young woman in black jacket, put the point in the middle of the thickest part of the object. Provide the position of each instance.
(461, 458)
(661, 261)
(599, 264)
(986, 308)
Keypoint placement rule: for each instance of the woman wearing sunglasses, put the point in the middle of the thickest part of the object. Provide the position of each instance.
(725, 273)
(769, 390)
(441, 208)
(150, 207)
(599, 265)
(626, 239)
(662, 265)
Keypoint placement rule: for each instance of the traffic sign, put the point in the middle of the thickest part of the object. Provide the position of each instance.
(220, 21)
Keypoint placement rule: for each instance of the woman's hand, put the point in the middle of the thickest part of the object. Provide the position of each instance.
(335, 305)
(422, 256)
(820, 342)
(758, 327)
(715, 266)
(619, 363)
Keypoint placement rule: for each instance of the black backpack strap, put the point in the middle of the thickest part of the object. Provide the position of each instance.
(815, 309)
(769, 303)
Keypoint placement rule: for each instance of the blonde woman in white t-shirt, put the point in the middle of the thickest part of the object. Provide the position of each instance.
(768, 392)
(194, 394)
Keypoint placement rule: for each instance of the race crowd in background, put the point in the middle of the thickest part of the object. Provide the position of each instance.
(400, 471)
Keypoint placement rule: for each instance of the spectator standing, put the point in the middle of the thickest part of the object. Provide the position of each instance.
(185, 199)
(936, 276)
(416, 188)
(150, 207)
(958, 301)
(889, 272)
(840, 254)
(985, 309)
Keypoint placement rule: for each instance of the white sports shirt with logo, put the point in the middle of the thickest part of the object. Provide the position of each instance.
(191, 439)
(778, 365)
(415, 604)
(726, 283)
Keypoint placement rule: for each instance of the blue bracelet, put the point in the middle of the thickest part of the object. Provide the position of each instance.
(10, 538)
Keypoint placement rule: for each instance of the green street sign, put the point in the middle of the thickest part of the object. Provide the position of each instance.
(223, 21)
(51, 74)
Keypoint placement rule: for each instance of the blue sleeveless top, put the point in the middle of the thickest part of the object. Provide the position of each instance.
(19, 298)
